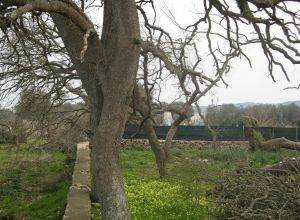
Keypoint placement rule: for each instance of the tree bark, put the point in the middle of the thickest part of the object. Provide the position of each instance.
(252, 142)
(142, 107)
(107, 73)
(87, 70)
(107, 177)
(170, 135)
(174, 126)
(281, 143)
(156, 147)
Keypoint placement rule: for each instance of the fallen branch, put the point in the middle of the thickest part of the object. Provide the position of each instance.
(284, 167)
(281, 143)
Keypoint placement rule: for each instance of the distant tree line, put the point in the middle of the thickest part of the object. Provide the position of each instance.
(38, 115)
(267, 115)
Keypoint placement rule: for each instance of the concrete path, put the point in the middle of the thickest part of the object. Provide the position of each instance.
(79, 204)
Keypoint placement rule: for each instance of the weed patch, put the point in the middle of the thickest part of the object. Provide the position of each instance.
(38, 179)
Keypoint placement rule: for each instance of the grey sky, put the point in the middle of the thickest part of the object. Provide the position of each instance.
(249, 84)
(254, 85)
(245, 84)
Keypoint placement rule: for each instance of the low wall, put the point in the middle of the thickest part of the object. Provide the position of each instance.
(78, 203)
(185, 144)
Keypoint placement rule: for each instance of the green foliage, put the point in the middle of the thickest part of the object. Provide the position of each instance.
(48, 205)
(193, 173)
(248, 121)
(39, 179)
(224, 154)
(179, 196)
(151, 198)
(189, 182)
(258, 137)
(265, 115)
(4, 135)
(262, 157)
(289, 114)
(234, 156)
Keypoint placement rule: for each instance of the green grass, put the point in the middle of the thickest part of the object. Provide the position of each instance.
(259, 158)
(192, 173)
(34, 183)
(150, 197)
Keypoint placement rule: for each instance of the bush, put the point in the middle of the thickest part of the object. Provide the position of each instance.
(34, 184)
(257, 195)
(258, 137)
(4, 136)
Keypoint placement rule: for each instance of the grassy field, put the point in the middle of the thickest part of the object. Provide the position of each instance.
(185, 193)
(34, 183)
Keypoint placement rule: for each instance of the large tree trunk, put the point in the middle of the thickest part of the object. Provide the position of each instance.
(281, 143)
(108, 183)
(107, 73)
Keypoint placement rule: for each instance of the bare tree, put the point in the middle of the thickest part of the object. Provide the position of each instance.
(264, 114)
(105, 60)
(106, 69)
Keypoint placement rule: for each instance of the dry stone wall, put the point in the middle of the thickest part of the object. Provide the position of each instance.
(185, 144)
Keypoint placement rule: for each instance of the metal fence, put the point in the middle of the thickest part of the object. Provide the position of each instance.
(223, 133)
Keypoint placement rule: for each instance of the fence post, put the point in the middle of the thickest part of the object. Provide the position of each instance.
(296, 133)
(273, 132)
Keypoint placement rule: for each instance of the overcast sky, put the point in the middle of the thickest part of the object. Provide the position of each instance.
(255, 85)
(250, 85)
(245, 84)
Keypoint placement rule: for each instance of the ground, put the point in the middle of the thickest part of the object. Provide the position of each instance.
(193, 173)
(40, 179)
(34, 182)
